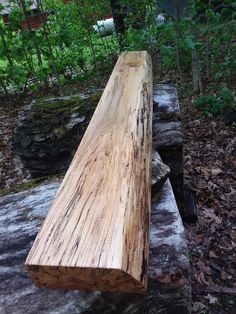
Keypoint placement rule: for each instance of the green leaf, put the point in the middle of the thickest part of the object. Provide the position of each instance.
(190, 42)
(233, 4)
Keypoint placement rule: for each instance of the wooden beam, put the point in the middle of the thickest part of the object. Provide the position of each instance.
(95, 236)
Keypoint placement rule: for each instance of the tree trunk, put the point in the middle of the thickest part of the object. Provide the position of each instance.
(208, 49)
(45, 29)
(178, 36)
(118, 17)
(119, 23)
(23, 7)
(196, 72)
(197, 80)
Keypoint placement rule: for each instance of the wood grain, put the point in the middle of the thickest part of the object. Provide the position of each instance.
(95, 236)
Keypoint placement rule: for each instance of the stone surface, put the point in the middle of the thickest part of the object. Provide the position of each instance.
(165, 98)
(21, 216)
(160, 172)
(167, 135)
(168, 141)
(12, 170)
(50, 131)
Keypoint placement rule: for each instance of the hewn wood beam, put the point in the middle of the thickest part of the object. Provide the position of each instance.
(95, 236)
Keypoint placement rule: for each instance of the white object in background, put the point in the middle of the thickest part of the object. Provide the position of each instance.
(160, 19)
(105, 27)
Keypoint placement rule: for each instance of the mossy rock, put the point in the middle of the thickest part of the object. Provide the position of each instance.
(51, 131)
(66, 103)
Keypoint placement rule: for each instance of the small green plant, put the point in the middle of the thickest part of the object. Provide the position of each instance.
(216, 104)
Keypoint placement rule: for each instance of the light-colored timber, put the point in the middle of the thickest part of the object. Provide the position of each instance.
(95, 235)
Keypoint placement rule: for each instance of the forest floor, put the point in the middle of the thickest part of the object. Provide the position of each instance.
(210, 163)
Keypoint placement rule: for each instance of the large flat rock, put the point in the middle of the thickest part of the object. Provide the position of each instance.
(49, 131)
(21, 216)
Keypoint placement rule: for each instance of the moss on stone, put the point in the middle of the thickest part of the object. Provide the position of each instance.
(22, 186)
(60, 104)
(44, 108)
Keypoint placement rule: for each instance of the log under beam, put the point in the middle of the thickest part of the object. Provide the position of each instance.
(95, 235)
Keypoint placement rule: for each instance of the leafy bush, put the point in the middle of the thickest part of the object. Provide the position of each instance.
(216, 104)
(66, 47)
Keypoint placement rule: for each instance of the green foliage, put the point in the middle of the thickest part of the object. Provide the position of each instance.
(168, 53)
(216, 104)
(66, 48)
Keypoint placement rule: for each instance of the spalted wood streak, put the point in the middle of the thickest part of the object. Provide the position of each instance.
(95, 235)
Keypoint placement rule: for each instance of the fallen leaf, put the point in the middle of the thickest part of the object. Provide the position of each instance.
(201, 278)
(212, 254)
(203, 267)
(233, 236)
(173, 280)
(212, 300)
(198, 307)
(209, 213)
(223, 275)
(216, 171)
